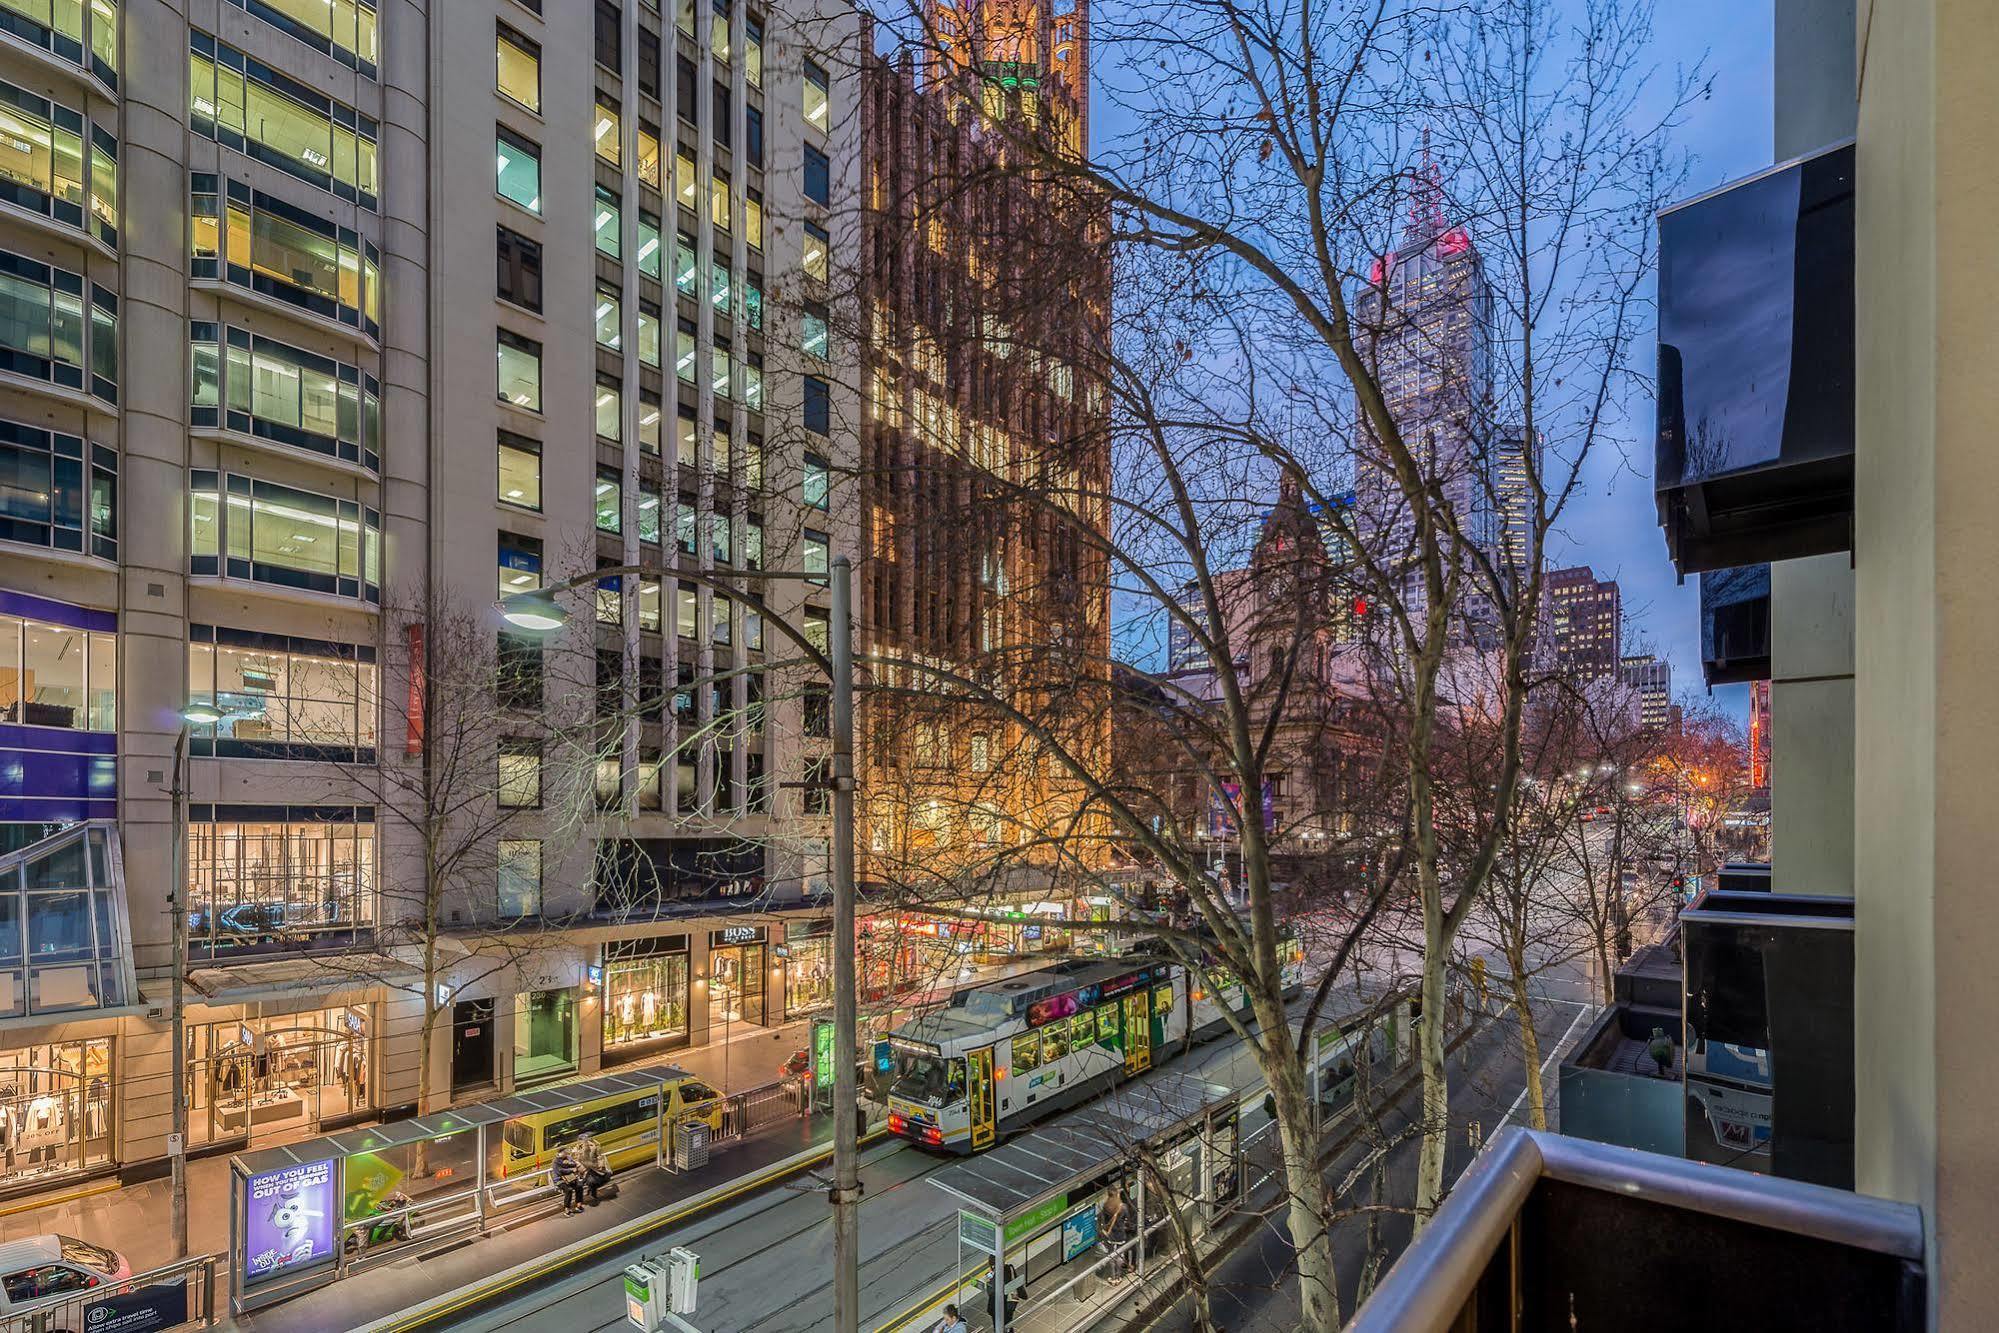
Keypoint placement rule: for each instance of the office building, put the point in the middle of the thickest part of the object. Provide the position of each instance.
(985, 458)
(259, 459)
(1585, 622)
(1652, 680)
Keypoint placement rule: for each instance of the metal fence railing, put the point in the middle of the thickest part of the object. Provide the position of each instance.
(748, 1111)
(180, 1295)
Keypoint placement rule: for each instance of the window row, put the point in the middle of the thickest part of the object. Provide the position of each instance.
(347, 30)
(69, 29)
(50, 330)
(50, 496)
(247, 528)
(245, 104)
(519, 379)
(54, 162)
(246, 382)
(723, 613)
(57, 676)
(267, 245)
(281, 697)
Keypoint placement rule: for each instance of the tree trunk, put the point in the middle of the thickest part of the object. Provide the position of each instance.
(1430, 1054)
(1311, 1239)
(1530, 1050)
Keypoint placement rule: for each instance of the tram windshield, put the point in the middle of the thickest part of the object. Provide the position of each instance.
(930, 1079)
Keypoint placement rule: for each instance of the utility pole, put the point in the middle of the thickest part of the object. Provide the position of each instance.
(846, 1192)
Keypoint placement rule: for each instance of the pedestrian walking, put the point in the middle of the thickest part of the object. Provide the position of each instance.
(567, 1174)
(595, 1165)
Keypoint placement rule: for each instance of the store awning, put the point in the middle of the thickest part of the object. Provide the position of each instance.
(284, 978)
(1078, 1146)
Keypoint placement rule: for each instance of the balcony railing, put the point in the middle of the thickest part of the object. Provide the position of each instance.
(1546, 1232)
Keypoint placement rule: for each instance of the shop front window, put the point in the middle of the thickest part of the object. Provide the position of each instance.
(645, 999)
(737, 987)
(55, 1109)
(285, 1076)
(263, 885)
(808, 975)
(544, 1035)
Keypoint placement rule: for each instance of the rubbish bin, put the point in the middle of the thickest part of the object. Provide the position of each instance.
(690, 1144)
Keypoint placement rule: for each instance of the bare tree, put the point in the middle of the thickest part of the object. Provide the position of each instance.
(476, 787)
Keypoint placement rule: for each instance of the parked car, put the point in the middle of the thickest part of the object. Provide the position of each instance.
(40, 1267)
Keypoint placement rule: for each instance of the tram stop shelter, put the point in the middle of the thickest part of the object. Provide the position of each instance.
(1027, 1209)
(306, 1214)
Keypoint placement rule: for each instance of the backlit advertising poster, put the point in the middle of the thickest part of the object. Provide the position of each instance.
(289, 1221)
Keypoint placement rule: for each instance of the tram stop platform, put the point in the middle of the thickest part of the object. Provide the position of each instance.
(1170, 1144)
(387, 1296)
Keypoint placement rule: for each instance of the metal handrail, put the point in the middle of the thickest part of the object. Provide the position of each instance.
(1437, 1274)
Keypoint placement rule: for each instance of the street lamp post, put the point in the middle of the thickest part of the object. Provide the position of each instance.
(539, 611)
(176, 895)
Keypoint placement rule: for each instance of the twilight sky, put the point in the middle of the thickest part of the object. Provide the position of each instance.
(1615, 529)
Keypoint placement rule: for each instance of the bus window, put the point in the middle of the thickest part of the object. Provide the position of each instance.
(1107, 1031)
(1162, 1000)
(520, 1138)
(1054, 1043)
(1083, 1031)
(1026, 1052)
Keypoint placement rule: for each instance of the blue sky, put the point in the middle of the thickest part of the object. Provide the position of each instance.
(1615, 528)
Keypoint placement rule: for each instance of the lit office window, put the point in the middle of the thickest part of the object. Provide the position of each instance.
(814, 259)
(609, 320)
(519, 170)
(248, 528)
(605, 133)
(520, 470)
(520, 370)
(607, 223)
(57, 676)
(818, 102)
(519, 74)
(242, 102)
(281, 697)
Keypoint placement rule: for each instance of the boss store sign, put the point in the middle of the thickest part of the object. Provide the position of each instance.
(730, 936)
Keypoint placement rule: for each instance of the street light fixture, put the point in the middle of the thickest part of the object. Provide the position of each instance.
(535, 610)
(538, 611)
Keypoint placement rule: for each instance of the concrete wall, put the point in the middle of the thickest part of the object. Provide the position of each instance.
(1811, 723)
(1927, 717)
(1811, 601)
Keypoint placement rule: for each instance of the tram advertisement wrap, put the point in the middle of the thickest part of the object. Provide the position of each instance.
(288, 1217)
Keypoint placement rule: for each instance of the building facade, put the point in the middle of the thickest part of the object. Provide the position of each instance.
(279, 428)
(1585, 621)
(1652, 678)
(985, 460)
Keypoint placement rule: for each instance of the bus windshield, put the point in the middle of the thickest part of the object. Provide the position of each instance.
(930, 1079)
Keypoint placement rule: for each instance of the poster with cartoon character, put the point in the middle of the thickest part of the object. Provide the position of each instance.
(288, 1220)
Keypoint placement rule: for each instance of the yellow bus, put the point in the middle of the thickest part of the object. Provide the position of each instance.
(625, 1125)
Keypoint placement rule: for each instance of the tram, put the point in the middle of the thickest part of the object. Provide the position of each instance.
(1009, 1052)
